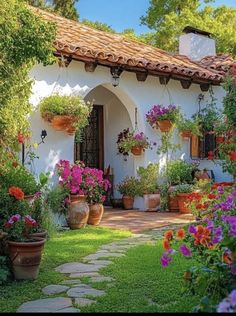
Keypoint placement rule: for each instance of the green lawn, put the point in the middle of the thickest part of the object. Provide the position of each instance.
(140, 278)
(64, 247)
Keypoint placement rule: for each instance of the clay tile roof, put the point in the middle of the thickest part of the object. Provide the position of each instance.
(220, 62)
(88, 44)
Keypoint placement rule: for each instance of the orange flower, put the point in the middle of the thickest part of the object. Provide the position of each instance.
(227, 258)
(200, 229)
(14, 164)
(169, 234)
(17, 193)
(180, 233)
(166, 244)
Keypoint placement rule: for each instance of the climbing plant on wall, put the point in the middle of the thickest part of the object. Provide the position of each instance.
(25, 40)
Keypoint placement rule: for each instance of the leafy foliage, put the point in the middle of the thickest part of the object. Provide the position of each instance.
(129, 186)
(148, 178)
(179, 171)
(4, 270)
(25, 40)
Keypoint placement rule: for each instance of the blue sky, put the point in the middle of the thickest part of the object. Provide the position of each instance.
(122, 14)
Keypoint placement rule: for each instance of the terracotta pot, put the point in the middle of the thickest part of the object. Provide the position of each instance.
(42, 234)
(152, 202)
(165, 125)
(78, 211)
(64, 123)
(128, 202)
(182, 200)
(95, 214)
(137, 150)
(26, 258)
(173, 204)
(232, 155)
(220, 139)
(47, 117)
(186, 134)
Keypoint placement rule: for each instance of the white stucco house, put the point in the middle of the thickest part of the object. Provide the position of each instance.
(147, 76)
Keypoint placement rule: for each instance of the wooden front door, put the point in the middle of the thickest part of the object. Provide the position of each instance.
(91, 149)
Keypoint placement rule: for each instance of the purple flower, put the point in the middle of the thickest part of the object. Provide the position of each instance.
(221, 190)
(210, 224)
(233, 270)
(232, 297)
(224, 307)
(192, 229)
(165, 260)
(37, 195)
(185, 251)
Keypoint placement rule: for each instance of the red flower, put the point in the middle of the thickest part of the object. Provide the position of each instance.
(180, 234)
(211, 196)
(166, 244)
(169, 234)
(14, 164)
(21, 138)
(17, 193)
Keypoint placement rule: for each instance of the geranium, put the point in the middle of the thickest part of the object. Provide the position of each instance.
(160, 113)
(17, 193)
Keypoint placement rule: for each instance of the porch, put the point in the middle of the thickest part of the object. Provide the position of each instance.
(139, 221)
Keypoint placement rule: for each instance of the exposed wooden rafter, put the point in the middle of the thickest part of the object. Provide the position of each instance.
(204, 86)
(90, 66)
(164, 80)
(141, 76)
(185, 84)
(64, 61)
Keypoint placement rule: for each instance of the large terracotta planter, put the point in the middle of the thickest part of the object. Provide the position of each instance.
(137, 150)
(78, 212)
(42, 234)
(186, 134)
(95, 214)
(173, 205)
(26, 258)
(60, 122)
(183, 198)
(165, 125)
(128, 202)
(152, 202)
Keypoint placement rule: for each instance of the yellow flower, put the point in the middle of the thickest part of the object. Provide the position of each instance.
(35, 145)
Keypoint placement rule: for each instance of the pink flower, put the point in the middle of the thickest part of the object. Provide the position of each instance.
(185, 251)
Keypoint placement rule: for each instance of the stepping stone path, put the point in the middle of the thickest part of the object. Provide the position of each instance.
(74, 291)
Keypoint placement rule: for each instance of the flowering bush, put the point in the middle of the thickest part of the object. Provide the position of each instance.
(132, 139)
(19, 228)
(160, 113)
(17, 193)
(211, 242)
(78, 179)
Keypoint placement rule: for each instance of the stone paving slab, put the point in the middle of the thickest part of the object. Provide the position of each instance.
(102, 255)
(54, 289)
(71, 282)
(84, 301)
(84, 290)
(102, 263)
(74, 267)
(46, 305)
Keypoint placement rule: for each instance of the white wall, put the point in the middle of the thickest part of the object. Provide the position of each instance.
(120, 103)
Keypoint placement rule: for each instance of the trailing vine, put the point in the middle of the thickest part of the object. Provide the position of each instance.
(25, 40)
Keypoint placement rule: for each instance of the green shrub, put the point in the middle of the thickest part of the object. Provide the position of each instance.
(148, 178)
(179, 171)
(129, 186)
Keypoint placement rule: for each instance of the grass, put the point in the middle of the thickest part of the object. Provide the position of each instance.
(64, 247)
(141, 281)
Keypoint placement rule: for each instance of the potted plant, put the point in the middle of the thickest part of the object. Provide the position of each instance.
(66, 113)
(188, 127)
(182, 191)
(129, 188)
(24, 251)
(163, 117)
(73, 179)
(97, 188)
(133, 142)
(148, 186)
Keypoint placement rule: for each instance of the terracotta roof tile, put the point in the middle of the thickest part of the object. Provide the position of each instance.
(220, 62)
(86, 43)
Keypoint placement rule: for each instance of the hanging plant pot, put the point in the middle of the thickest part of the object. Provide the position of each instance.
(232, 155)
(63, 123)
(186, 134)
(47, 116)
(220, 139)
(165, 125)
(137, 150)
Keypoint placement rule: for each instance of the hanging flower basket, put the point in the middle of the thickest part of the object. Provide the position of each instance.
(137, 150)
(66, 113)
(165, 125)
(232, 156)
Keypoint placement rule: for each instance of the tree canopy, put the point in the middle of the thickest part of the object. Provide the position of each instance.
(169, 17)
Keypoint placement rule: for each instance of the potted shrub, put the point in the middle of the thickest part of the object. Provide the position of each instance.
(129, 188)
(163, 117)
(66, 113)
(148, 186)
(73, 179)
(188, 127)
(182, 191)
(97, 187)
(133, 142)
(24, 251)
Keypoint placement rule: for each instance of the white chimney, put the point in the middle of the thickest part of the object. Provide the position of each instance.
(196, 44)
